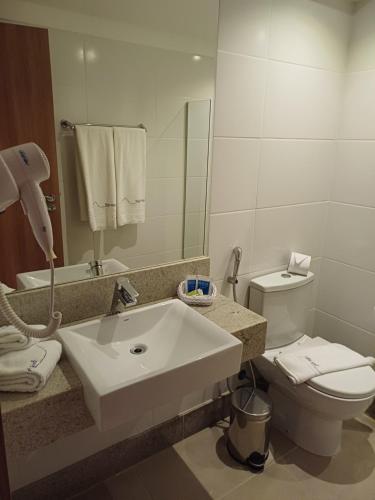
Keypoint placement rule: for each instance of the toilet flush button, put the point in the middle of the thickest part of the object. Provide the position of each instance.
(286, 275)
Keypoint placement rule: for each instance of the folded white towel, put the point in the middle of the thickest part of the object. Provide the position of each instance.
(6, 288)
(96, 178)
(306, 363)
(13, 340)
(130, 164)
(29, 369)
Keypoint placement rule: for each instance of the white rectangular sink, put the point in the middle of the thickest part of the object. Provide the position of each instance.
(142, 359)
(76, 272)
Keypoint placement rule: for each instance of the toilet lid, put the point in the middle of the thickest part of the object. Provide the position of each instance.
(355, 383)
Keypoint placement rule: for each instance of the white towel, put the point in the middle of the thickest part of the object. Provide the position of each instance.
(13, 340)
(96, 178)
(305, 364)
(130, 164)
(29, 369)
(6, 288)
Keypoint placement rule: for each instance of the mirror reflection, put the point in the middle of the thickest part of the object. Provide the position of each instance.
(120, 98)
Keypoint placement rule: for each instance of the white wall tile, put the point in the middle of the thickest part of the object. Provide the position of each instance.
(156, 235)
(179, 79)
(309, 33)
(279, 231)
(165, 158)
(243, 26)
(243, 285)
(226, 232)
(164, 196)
(350, 235)
(294, 172)
(348, 293)
(234, 174)
(301, 102)
(125, 73)
(197, 158)
(358, 108)
(355, 173)
(194, 230)
(362, 43)
(335, 330)
(240, 88)
(195, 196)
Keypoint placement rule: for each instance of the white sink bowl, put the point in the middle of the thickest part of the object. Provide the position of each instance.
(36, 279)
(180, 351)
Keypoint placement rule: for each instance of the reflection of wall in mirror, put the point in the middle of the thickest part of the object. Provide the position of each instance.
(119, 82)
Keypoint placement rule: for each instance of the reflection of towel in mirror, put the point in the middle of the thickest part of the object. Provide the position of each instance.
(29, 369)
(13, 340)
(96, 176)
(306, 363)
(130, 164)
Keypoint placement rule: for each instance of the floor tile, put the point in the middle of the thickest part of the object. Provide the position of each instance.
(127, 485)
(275, 482)
(99, 492)
(206, 455)
(167, 477)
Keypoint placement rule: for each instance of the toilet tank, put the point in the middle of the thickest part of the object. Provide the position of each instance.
(285, 300)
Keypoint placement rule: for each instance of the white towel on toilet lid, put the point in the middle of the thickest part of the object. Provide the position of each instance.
(306, 363)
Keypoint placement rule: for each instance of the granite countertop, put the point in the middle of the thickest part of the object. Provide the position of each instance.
(59, 408)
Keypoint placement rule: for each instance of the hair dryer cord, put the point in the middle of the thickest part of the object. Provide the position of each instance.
(12, 318)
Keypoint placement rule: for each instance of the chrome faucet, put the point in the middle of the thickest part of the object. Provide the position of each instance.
(96, 268)
(125, 293)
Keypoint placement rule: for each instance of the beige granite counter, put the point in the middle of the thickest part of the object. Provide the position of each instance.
(34, 420)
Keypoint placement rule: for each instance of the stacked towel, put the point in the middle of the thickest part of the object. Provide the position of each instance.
(306, 363)
(13, 340)
(28, 370)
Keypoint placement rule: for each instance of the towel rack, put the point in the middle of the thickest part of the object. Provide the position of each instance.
(67, 125)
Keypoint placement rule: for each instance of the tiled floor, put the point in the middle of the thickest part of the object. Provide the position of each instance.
(199, 468)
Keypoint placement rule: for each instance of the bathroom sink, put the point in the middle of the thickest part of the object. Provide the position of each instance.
(36, 279)
(138, 360)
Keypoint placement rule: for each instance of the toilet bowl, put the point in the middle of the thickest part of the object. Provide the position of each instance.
(311, 413)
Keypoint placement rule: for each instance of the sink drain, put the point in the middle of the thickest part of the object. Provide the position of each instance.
(138, 349)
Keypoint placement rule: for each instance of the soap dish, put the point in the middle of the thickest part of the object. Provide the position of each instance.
(196, 300)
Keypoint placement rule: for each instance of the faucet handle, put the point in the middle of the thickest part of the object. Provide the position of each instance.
(128, 293)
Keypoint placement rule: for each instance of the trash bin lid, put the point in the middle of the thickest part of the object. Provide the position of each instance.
(252, 402)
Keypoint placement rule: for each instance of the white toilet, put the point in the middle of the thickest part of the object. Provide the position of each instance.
(312, 413)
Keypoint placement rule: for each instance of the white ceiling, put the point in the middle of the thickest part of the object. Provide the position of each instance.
(191, 18)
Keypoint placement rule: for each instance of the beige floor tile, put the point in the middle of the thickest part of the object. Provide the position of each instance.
(206, 455)
(99, 492)
(127, 486)
(275, 483)
(167, 477)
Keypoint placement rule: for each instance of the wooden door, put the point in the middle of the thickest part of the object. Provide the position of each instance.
(26, 115)
(4, 479)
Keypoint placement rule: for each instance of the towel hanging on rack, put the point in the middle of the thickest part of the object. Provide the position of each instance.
(130, 165)
(96, 177)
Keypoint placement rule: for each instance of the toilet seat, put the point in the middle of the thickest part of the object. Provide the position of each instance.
(356, 383)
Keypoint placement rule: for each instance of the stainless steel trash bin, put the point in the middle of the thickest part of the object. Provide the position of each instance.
(249, 432)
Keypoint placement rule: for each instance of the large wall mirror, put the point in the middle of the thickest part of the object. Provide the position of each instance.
(119, 94)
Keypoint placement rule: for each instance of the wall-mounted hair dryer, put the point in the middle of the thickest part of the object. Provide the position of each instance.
(22, 168)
